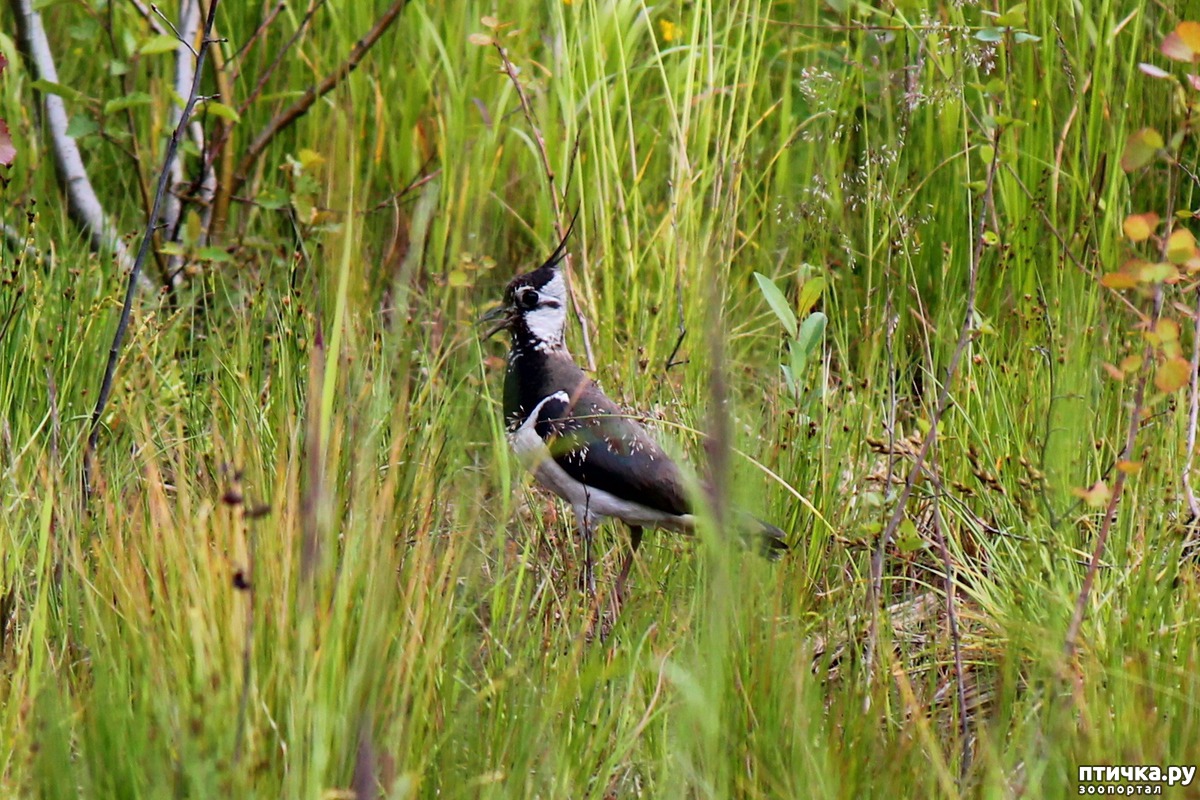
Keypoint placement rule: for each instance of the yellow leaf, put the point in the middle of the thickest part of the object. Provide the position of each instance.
(310, 159)
(1189, 34)
(1138, 227)
(1130, 467)
(1173, 374)
(1161, 272)
(1175, 48)
(479, 39)
(1095, 497)
(1181, 246)
(1167, 330)
(1131, 363)
(1118, 280)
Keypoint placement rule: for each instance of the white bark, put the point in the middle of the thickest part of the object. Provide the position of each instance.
(189, 28)
(82, 203)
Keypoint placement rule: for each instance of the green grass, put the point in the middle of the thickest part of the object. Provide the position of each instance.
(414, 622)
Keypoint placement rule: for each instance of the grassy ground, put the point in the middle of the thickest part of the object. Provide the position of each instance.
(310, 565)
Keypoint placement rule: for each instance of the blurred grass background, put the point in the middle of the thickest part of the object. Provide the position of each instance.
(310, 567)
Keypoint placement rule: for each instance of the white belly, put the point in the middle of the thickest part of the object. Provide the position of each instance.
(588, 502)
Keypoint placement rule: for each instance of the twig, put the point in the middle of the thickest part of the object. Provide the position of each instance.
(1193, 413)
(206, 182)
(149, 16)
(254, 37)
(312, 94)
(1135, 423)
(246, 584)
(82, 203)
(186, 29)
(265, 75)
(135, 271)
(939, 537)
(527, 109)
(420, 180)
(943, 401)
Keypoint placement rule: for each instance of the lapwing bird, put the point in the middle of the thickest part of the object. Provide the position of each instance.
(576, 441)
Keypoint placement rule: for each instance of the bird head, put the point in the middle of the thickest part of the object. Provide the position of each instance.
(535, 304)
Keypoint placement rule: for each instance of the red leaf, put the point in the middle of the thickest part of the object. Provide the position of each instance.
(7, 152)
(1174, 48)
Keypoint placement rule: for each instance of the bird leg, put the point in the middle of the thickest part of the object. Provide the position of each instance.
(585, 530)
(635, 539)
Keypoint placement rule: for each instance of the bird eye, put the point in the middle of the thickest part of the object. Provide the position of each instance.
(528, 298)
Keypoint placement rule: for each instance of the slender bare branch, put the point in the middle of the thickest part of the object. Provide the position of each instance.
(82, 203)
(299, 108)
(1135, 423)
(875, 588)
(511, 71)
(188, 32)
(135, 271)
(1193, 413)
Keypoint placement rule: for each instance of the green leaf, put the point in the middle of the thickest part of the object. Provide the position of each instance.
(989, 34)
(218, 110)
(777, 302)
(158, 45)
(131, 100)
(81, 125)
(1140, 149)
(810, 293)
(274, 199)
(811, 331)
(193, 226)
(1022, 36)
(50, 87)
(214, 254)
(172, 249)
(908, 538)
(1013, 18)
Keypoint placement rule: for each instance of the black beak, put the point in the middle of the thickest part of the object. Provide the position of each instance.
(501, 316)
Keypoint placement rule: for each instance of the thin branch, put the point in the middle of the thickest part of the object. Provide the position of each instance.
(206, 182)
(420, 180)
(135, 272)
(527, 109)
(150, 17)
(939, 535)
(267, 20)
(265, 75)
(312, 94)
(187, 25)
(943, 401)
(1135, 423)
(1193, 413)
(82, 203)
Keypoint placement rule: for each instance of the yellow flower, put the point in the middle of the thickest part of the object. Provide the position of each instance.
(669, 30)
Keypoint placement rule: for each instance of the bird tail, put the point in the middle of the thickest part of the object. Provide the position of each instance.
(771, 541)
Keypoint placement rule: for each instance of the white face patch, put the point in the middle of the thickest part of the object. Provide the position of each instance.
(548, 321)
